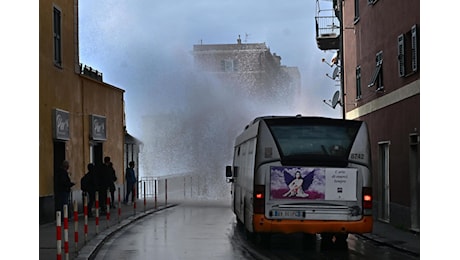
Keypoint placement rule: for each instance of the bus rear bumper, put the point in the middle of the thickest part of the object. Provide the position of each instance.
(263, 225)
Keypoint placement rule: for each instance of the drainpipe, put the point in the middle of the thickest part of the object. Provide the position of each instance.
(341, 58)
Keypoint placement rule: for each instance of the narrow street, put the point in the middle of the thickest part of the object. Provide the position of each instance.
(198, 230)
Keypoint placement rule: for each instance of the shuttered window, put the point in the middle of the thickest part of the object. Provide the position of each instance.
(377, 76)
(358, 83)
(408, 52)
(57, 37)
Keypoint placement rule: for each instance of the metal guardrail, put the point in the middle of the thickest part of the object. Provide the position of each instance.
(174, 187)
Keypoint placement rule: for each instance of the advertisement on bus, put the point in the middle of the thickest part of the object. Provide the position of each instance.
(305, 183)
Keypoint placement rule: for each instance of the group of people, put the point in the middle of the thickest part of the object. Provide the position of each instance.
(100, 178)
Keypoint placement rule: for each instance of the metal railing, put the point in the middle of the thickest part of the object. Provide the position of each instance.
(90, 72)
(327, 26)
(174, 187)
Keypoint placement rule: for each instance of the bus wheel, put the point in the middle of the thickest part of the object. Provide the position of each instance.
(341, 241)
(326, 241)
(264, 239)
(308, 241)
(239, 223)
(249, 235)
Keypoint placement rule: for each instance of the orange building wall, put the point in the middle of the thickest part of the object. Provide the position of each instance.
(65, 88)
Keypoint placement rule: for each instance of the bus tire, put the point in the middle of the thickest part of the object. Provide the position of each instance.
(326, 241)
(264, 239)
(341, 241)
(249, 235)
(308, 241)
(239, 223)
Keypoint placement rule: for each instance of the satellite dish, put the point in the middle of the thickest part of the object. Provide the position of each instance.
(335, 73)
(336, 99)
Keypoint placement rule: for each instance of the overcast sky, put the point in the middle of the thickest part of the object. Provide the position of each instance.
(143, 47)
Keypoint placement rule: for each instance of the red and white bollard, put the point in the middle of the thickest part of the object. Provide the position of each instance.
(58, 235)
(96, 204)
(75, 222)
(66, 232)
(85, 213)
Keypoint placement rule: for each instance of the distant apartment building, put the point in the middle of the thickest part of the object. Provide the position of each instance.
(250, 68)
(380, 66)
(81, 118)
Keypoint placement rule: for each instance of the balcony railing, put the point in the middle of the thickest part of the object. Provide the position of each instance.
(90, 72)
(327, 32)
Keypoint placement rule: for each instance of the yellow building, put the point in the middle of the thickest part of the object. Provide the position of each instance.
(81, 118)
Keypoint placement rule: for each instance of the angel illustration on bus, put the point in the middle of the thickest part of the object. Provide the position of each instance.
(298, 185)
(293, 182)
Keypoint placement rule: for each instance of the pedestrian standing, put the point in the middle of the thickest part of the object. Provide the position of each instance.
(103, 183)
(62, 186)
(130, 182)
(113, 179)
(89, 186)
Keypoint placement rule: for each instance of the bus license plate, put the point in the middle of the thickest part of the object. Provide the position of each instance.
(287, 213)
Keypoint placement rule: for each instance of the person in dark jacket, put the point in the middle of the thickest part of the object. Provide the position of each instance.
(104, 179)
(113, 179)
(88, 186)
(130, 182)
(62, 185)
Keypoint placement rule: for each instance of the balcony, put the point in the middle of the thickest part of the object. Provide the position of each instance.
(327, 32)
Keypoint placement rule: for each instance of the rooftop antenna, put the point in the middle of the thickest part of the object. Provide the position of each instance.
(246, 36)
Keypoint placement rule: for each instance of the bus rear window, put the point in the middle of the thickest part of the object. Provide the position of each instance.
(300, 138)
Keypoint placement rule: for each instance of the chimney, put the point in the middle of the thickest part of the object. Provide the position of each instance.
(239, 39)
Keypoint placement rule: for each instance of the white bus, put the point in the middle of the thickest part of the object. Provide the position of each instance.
(302, 174)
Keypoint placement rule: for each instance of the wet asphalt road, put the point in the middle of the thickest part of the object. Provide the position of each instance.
(199, 230)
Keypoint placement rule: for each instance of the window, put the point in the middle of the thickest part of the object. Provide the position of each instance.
(377, 77)
(358, 83)
(228, 65)
(408, 52)
(314, 138)
(356, 10)
(57, 37)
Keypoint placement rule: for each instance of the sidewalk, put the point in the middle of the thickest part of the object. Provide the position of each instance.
(382, 233)
(391, 236)
(82, 250)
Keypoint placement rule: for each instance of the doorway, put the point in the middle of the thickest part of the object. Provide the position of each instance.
(58, 157)
(384, 181)
(96, 153)
(414, 173)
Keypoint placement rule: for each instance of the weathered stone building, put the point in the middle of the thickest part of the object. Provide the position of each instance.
(249, 67)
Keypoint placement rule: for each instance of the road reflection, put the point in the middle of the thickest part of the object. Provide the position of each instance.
(208, 230)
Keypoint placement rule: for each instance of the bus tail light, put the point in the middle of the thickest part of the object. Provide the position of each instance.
(367, 200)
(259, 199)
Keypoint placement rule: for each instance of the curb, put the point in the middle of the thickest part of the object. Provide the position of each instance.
(384, 241)
(92, 247)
